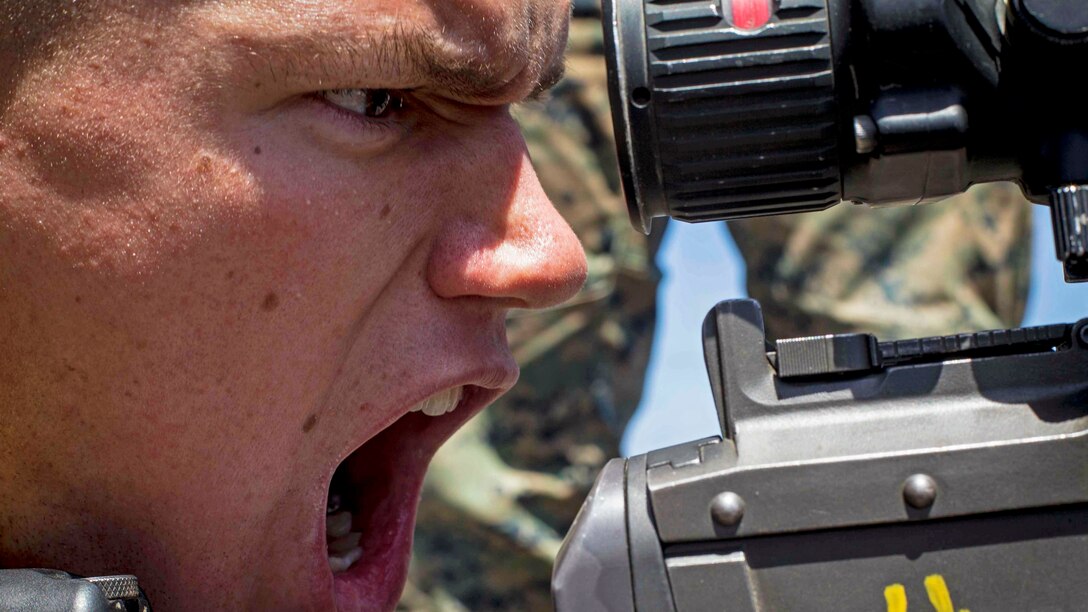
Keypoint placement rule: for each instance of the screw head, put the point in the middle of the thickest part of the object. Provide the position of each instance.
(920, 491)
(1084, 335)
(865, 134)
(727, 509)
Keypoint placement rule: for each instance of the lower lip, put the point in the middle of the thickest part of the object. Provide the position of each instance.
(375, 581)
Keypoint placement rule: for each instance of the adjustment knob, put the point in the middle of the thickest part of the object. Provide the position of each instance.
(1058, 18)
(1069, 214)
(830, 354)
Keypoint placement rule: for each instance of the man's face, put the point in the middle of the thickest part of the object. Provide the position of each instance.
(219, 282)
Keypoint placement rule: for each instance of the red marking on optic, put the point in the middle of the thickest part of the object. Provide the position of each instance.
(751, 14)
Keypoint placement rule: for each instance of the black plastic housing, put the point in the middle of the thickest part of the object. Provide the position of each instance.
(871, 101)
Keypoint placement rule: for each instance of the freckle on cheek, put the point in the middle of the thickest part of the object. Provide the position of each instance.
(385, 212)
(309, 424)
(271, 302)
(257, 150)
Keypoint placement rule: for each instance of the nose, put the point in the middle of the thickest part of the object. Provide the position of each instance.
(505, 241)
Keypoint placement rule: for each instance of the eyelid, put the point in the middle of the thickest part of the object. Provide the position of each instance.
(358, 100)
(456, 111)
(355, 131)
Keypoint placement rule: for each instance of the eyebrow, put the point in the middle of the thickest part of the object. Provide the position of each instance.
(415, 54)
(469, 75)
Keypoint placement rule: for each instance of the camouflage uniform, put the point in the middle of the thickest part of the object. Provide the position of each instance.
(500, 494)
(957, 265)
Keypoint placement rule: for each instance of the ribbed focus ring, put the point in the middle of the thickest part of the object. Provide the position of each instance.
(745, 121)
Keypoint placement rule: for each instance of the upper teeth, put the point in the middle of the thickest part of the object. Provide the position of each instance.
(440, 403)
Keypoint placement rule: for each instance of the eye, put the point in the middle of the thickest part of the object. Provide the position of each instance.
(371, 103)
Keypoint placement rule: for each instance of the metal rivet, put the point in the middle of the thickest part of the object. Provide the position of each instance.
(727, 509)
(865, 134)
(920, 491)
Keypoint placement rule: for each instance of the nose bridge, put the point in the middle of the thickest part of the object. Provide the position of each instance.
(506, 240)
(501, 162)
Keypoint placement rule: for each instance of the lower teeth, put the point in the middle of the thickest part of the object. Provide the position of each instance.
(342, 543)
(341, 563)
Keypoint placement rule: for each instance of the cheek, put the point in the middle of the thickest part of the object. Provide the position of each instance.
(99, 195)
(77, 142)
(356, 220)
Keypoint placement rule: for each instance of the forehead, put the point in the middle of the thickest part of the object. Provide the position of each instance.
(479, 49)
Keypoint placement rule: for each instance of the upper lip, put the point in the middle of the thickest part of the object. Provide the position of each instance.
(490, 381)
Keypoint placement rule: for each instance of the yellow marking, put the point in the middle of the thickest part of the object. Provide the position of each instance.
(896, 596)
(938, 594)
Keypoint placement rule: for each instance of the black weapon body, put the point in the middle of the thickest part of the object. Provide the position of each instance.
(854, 475)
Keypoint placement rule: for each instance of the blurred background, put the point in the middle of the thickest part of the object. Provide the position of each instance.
(701, 266)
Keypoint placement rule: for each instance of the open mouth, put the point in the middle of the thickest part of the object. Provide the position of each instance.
(373, 495)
